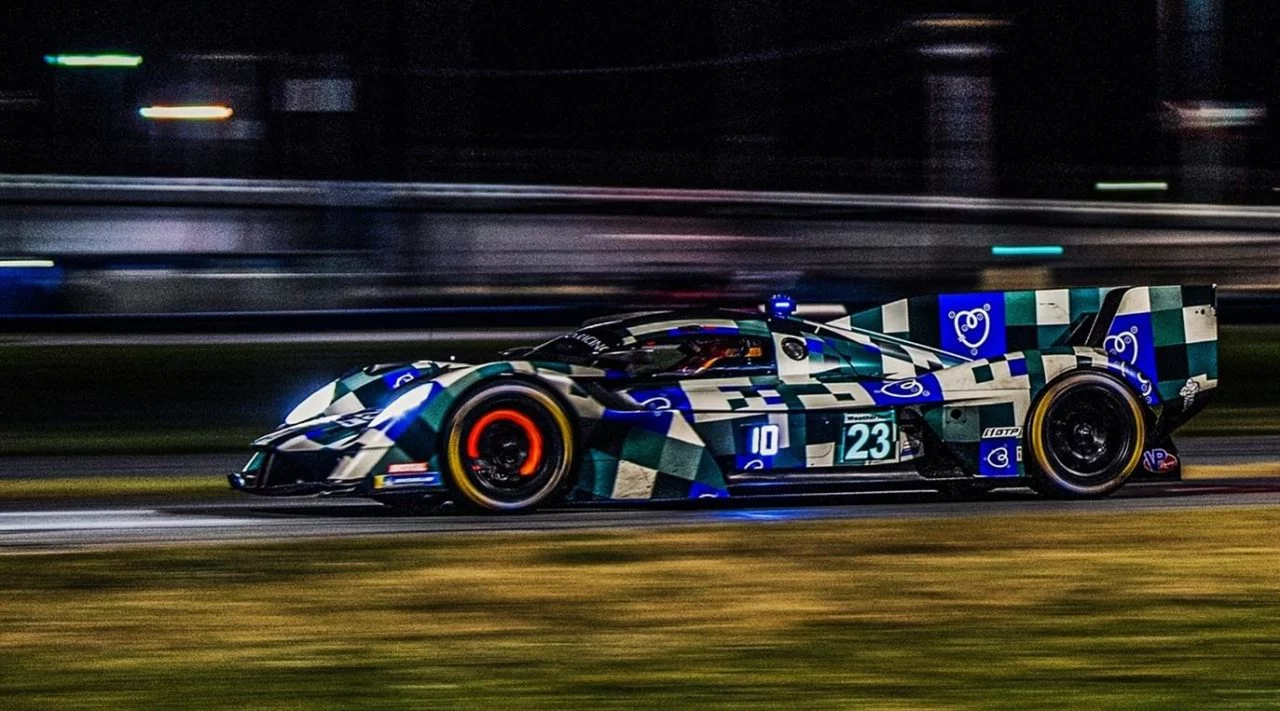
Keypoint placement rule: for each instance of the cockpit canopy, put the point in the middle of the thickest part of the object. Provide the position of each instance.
(683, 352)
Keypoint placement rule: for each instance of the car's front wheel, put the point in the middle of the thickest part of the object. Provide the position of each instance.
(1086, 434)
(508, 448)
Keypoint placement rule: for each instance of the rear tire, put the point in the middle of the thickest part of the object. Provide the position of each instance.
(508, 448)
(1086, 434)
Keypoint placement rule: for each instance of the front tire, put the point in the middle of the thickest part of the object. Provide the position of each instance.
(508, 448)
(1086, 435)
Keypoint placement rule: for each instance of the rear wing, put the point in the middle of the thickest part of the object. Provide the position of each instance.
(1168, 333)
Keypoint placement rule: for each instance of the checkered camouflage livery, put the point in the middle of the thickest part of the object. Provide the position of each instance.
(1168, 333)
(939, 387)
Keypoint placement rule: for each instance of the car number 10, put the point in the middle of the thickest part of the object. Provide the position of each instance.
(868, 440)
(764, 440)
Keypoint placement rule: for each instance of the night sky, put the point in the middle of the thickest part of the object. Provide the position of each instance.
(763, 93)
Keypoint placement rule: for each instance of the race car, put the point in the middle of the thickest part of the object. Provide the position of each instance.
(1068, 391)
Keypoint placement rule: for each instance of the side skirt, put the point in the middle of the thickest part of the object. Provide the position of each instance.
(751, 483)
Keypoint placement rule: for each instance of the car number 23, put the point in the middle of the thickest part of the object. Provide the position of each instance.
(869, 438)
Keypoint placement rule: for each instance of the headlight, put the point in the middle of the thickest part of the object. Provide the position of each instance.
(403, 405)
(315, 404)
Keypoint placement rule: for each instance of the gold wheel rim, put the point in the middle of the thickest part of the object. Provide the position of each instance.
(1042, 408)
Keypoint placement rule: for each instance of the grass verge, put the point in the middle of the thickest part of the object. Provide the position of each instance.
(107, 487)
(1249, 470)
(1153, 610)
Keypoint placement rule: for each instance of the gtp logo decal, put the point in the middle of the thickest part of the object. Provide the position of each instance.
(1123, 345)
(1159, 461)
(991, 432)
(972, 324)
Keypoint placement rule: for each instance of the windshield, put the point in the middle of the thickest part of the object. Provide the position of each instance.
(683, 355)
(689, 356)
(579, 347)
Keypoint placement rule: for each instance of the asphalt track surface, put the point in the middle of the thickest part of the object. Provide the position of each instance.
(28, 526)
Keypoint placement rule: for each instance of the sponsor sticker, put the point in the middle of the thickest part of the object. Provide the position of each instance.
(390, 481)
(1189, 392)
(1159, 461)
(594, 343)
(992, 432)
(407, 468)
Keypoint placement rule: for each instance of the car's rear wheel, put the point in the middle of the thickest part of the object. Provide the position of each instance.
(508, 448)
(1086, 436)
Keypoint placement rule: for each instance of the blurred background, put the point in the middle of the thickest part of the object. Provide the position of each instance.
(208, 209)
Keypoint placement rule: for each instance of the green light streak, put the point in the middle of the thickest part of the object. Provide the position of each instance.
(1030, 250)
(93, 60)
(1134, 186)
